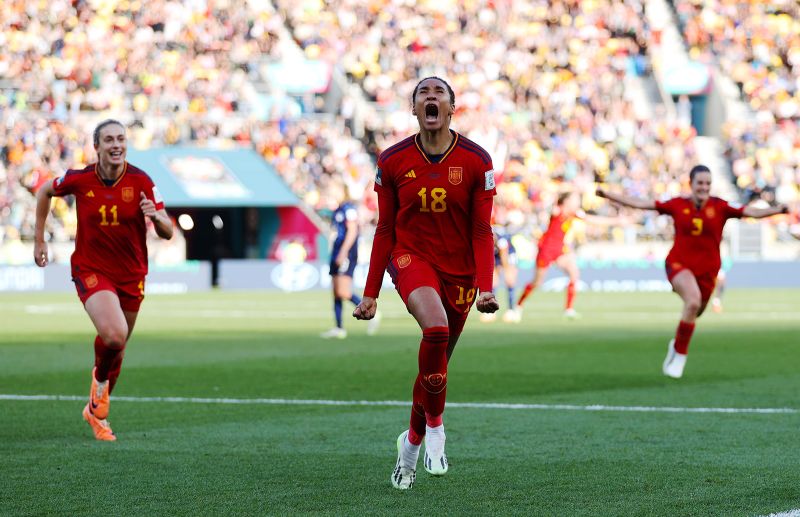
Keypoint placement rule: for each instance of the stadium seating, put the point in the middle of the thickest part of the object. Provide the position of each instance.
(757, 44)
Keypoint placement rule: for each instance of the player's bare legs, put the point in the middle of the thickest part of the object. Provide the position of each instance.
(430, 387)
(685, 284)
(342, 290)
(538, 278)
(567, 263)
(113, 329)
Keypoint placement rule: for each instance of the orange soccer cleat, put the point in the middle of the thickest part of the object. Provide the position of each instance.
(98, 397)
(100, 427)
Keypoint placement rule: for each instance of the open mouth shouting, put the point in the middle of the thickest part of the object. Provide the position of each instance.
(431, 112)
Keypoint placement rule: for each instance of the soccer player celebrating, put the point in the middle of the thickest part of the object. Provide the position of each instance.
(435, 192)
(694, 260)
(109, 263)
(552, 249)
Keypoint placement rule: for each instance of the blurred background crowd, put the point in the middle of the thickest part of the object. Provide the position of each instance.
(544, 86)
(757, 44)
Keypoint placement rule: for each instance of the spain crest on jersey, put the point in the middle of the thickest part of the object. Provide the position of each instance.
(404, 260)
(91, 281)
(455, 175)
(710, 212)
(127, 194)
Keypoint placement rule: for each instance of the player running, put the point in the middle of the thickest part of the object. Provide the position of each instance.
(109, 263)
(553, 249)
(694, 260)
(435, 192)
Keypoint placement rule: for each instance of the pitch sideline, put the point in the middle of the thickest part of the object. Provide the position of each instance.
(402, 403)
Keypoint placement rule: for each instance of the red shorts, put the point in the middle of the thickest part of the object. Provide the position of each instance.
(409, 272)
(547, 256)
(705, 281)
(130, 293)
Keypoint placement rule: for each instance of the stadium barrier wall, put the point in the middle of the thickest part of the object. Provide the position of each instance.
(602, 276)
(190, 276)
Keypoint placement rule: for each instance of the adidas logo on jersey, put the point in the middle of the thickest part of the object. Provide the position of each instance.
(90, 193)
(411, 174)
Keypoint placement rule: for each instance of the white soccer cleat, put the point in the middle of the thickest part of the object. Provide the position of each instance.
(435, 460)
(334, 333)
(571, 314)
(512, 316)
(405, 470)
(374, 324)
(674, 363)
(487, 317)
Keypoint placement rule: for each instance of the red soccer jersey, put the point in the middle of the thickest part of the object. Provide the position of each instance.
(698, 232)
(111, 227)
(553, 238)
(438, 211)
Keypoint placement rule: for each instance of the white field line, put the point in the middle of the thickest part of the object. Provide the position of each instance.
(403, 403)
(790, 513)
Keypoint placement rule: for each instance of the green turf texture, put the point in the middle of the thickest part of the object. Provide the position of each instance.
(211, 459)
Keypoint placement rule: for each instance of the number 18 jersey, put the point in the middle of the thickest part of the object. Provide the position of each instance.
(435, 200)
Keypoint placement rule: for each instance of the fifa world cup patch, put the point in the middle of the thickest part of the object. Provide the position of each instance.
(404, 260)
(489, 176)
(378, 174)
(455, 175)
(127, 194)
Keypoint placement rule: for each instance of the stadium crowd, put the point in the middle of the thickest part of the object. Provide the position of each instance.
(757, 44)
(177, 73)
(550, 76)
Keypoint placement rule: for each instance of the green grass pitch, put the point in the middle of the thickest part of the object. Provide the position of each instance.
(179, 458)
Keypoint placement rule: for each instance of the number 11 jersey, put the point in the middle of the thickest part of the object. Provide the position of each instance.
(112, 232)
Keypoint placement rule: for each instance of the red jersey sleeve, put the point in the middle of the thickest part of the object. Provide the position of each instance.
(732, 211)
(65, 185)
(667, 207)
(482, 237)
(151, 192)
(383, 242)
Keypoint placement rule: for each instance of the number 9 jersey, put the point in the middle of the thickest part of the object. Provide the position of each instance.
(112, 232)
(441, 209)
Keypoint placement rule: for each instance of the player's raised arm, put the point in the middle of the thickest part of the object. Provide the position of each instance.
(758, 213)
(43, 197)
(644, 204)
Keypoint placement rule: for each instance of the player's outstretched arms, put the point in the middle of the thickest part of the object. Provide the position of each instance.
(644, 204)
(487, 302)
(758, 213)
(366, 309)
(43, 197)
